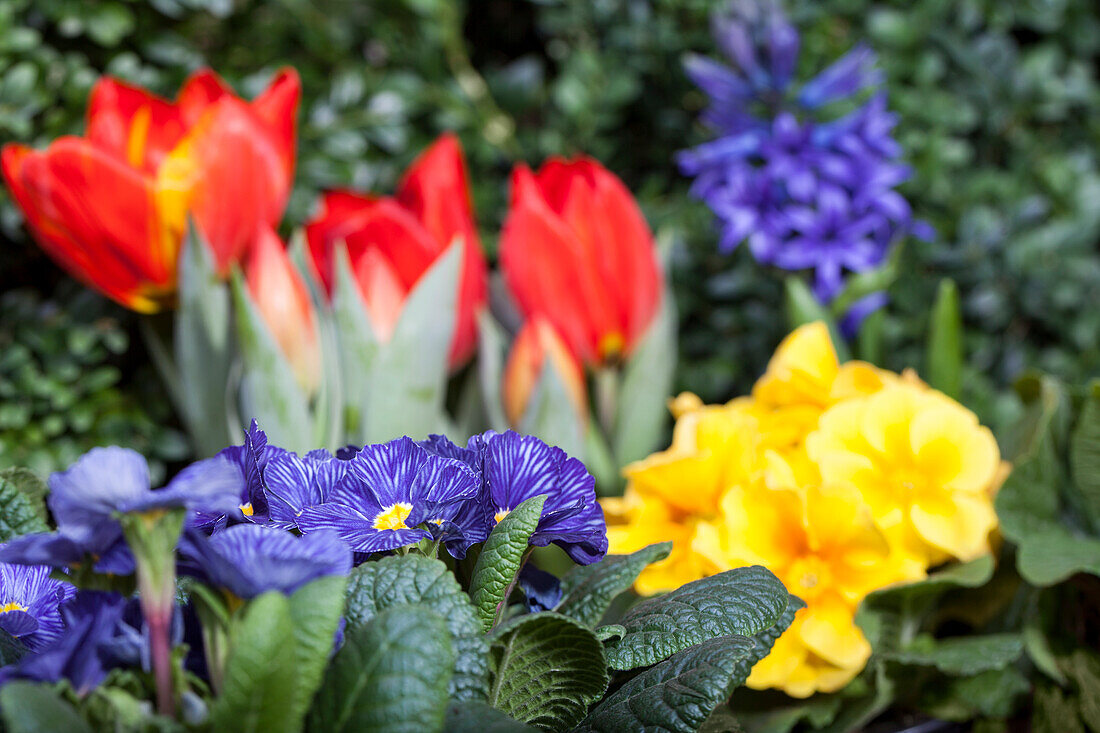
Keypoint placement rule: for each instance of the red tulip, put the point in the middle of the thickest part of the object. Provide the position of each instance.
(576, 250)
(283, 301)
(111, 207)
(392, 241)
(536, 348)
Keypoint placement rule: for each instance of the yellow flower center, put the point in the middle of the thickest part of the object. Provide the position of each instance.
(393, 516)
(246, 508)
(611, 346)
(501, 514)
(13, 606)
(809, 573)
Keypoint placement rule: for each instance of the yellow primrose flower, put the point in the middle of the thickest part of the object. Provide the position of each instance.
(822, 543)
(712, 449)
(923, 464)
(635, 521)
(795, 668)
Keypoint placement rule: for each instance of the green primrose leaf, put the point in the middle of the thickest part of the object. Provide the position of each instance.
(679, 693)
(404, 579)
(501, 558)
(588, 590)
(883, 612)
(11, 649)
(391, 676)
(32, 707)
(994, 693)
(315, 611)
(966, 655)
(549, 669)
(258, 689)
(21, 507)
(744, 601)
(683, 691)
(646, 381)
(476, 717)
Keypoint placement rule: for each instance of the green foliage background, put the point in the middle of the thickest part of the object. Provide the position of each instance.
(999, 108)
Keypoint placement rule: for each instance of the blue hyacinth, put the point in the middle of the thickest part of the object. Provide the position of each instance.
(806, 187)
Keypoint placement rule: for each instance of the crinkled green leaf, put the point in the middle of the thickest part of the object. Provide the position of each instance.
(549, 669)
(408, 382)
(1055, 711)
(964, 655)
(588, 590)
(390, 676)
(744, 601)
(611, 631)
(646, 382)
(315, 611)
(35, 707)
(1083, 666)
(880, 614)
(11, 649)
(202, 347)
(501, 557)
(678, 694)
(403, 579)
(269, 391)
(258, 690)
(994, 693)
(471, 716)
(20, 513)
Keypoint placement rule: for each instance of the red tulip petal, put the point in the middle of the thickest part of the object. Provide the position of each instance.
(229, 174)
(629, 251)
(382, 290)
(201, 90)
(387, 227)
(132, 123)
(97, 217)
(436, 189)
(283, 300)
(547, 270)
(277, 106)
(336, 207)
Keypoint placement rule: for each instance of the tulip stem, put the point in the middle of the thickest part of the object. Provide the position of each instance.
(607, 398)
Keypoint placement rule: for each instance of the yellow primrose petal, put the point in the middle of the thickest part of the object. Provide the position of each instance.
(829, 630)
(958, 524)
(840, 525)
(796, 670)
(802, 369)
(684, 403)
(634, 522)
(948, 441)
(858, 379)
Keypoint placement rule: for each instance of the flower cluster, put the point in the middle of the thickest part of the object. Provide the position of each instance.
(257, 519)
(805, 189)
(840, 478)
